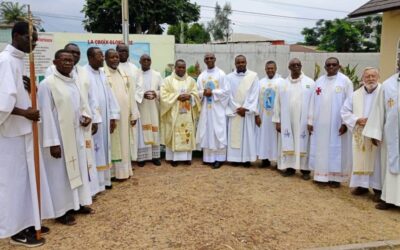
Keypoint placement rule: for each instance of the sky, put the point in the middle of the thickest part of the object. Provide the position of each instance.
(273, 19)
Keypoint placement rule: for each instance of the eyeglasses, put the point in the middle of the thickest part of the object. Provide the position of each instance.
(331, 65)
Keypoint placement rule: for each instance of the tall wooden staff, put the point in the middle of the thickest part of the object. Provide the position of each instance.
(34, 123)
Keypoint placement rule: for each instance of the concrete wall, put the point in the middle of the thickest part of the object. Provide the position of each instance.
(257, 54)
(390, 42)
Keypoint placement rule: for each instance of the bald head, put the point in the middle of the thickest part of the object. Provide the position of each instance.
(209, 60)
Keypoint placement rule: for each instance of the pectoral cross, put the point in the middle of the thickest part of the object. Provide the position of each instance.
(303, 135)
(73, 160)
(96, 147)
(318, 91)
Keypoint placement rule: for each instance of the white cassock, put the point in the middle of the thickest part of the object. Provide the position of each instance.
(131, 71)
(383, 124)
(330, 154)
(211, 130)
(148, 146)
(91, 107)
(108, 109)
(65, 195)
(18, 198)
(243, 92)
(267, 137)
(359, 105)
(291, 111)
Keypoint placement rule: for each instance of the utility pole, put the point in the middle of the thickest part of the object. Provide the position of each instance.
(182, 35)
(125, 21)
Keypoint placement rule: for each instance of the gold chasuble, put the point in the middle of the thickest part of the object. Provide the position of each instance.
(178, 118)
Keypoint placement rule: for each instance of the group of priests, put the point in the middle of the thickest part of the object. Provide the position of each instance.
(95, 120)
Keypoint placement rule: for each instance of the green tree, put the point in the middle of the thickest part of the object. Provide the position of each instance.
(220, 26)
(193, 33)
(145, 16)
(11, 12)
(343, 35)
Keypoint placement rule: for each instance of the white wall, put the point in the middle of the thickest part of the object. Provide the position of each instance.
(258, 53)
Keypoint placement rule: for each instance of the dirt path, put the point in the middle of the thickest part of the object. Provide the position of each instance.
(230, 208)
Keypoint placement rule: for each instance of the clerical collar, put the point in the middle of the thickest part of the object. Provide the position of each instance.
(15, 52)
(371, 91)
(295, 80)
(62, 77)
(93, 70)
(211, 70)
(111, 69)
(331, 77)
(180, 78)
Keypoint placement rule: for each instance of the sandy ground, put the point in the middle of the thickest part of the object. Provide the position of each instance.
(229, 208)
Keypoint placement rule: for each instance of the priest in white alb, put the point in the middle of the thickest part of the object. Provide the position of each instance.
(267, 137)
(383, 127)
(148, 99)
(180, 108)
(291, 116)
(91, 107)
(123, 89)
(211, 130)
(366, 171)
(330, 149)
(130, 69)
(19, 207)
(63, 119)
(108, 111)
(243, 106)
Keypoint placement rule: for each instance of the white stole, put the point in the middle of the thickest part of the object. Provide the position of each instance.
(82, 81)
(288, 147)
(148, 109)
(66, 116)
(363, 150)
(240, 98)
(391, 129)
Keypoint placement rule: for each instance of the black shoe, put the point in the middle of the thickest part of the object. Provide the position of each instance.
(288, 172)
(156, 162)
(265, 163)
(43, 230)
(84, 210)
(26, 239)
(141, 163)
(216, 165)
(359, 191)
(334, 184)
(247, 164)
(306, 177)
(188, 163)
(174, 163)
(113, 179)
(67, 219)
(108, 187)
(384, 206)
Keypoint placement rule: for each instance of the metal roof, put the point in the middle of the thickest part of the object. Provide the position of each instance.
(376, 6)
